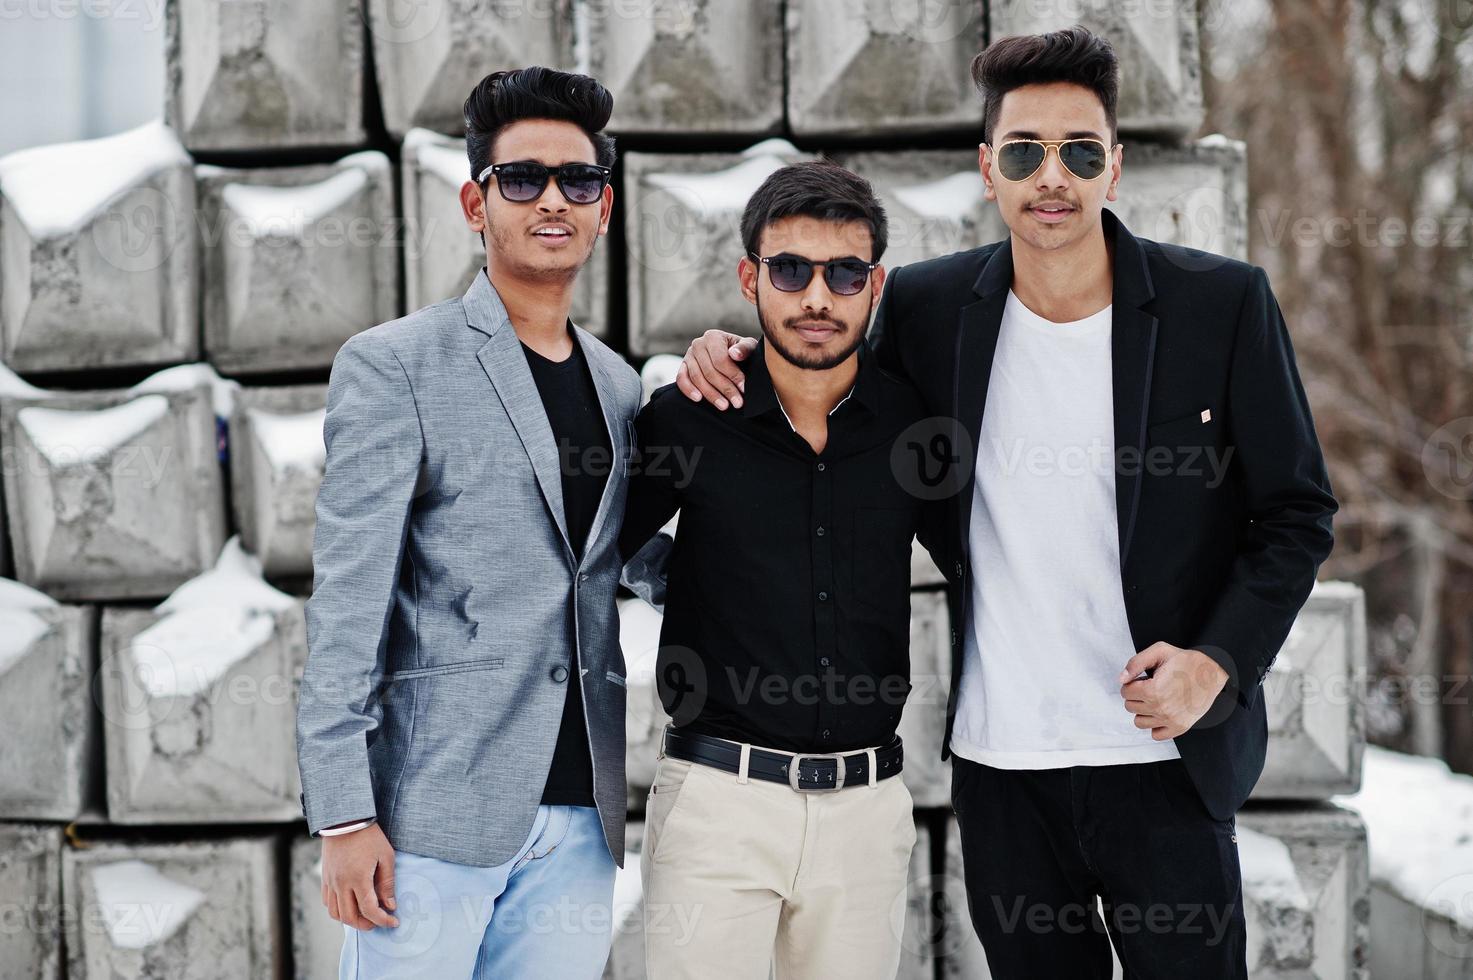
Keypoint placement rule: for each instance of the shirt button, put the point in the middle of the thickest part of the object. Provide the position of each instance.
(820, 467)
(559, 673)
(823, 597)
(825, 733)
(821, 531)
(823, 661)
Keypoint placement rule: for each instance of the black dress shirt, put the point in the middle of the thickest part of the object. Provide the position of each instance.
(787, 612)
(571, 402)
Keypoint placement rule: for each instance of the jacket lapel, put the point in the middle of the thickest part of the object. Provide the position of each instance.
(608, 401)
(976, 343)
(1132, 356)
(506, 366)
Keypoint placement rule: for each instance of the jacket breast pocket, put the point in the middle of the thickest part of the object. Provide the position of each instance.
(490, 663)
(1197, 428)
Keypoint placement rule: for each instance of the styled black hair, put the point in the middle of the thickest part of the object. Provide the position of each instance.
(505, 97)
(1071, 55)
(814, 189)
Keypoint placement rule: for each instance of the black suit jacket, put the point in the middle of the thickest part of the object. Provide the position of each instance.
(1223, 524)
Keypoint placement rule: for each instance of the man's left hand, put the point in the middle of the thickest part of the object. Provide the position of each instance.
(1178, 693)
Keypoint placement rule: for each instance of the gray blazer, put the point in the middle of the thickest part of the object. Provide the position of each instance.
(446, 601)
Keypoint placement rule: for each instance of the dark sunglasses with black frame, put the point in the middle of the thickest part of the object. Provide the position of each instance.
(792, 273)
(524, 180)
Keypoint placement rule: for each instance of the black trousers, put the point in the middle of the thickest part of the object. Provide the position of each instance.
(1040, 845)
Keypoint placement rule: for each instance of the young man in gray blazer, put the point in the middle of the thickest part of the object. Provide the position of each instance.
(461, 727)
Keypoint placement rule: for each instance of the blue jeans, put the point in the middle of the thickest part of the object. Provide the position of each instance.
(552, 905)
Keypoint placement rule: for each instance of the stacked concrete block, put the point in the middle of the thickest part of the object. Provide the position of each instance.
(1418, 814)
(258, 74)
(317, 938)
(626, 954)
(47, 661)
(683, 232)
(30, 881)
(878, 67)
(1161, 77)
(699, 66)
(176, 910)
(923, 570)
(923, 933)
(199, 701)
(645, 717)
(116, 494)
(97, 253)
(1315, 696)
(427, 56)
(296, 260)
(1194, 195)
(657, 372)
(442, 255)
(1305, 892)
(923, 721)
(276, 463)
(933, 200)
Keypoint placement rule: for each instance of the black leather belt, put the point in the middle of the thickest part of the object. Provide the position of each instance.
(806, 772)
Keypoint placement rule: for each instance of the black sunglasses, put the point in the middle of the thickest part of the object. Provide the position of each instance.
(1084, 158)
(792, 273)
(525, 180)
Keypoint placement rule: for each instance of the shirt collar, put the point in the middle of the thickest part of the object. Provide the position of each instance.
(760, 396)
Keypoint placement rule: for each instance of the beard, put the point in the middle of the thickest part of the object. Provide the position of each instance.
(521, 257)
(852, 335)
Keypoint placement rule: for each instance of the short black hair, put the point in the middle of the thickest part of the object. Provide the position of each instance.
(535, 92)
(1072, 55)
(814, 189)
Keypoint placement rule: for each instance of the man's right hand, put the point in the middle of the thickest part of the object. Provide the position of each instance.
(358, 878)
(711, 368)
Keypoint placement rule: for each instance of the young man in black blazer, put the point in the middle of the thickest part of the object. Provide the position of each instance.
(1157, 586)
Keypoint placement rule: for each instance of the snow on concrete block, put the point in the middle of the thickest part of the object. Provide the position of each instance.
(1194, 195)
(645, 717)
(296, 260)
(1418, 814)
(933, 200)
(683, 232)
(1315, 696)
(47, 661)
(163, 910)
(317, 938)
(198, 698)
(30, 881)
(923, 720)
(626, 956)
(1305, 891)
(276, 462)
(882, 67)
(1161, 86)
(97, 253)
(442, 255)
(116, 494)
(701, 66)
(264, 74)
(428, 56)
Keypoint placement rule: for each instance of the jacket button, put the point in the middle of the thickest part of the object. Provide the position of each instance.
(958, 569)
(559, 673)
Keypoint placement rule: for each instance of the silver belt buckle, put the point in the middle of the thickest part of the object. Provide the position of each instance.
(797, 763)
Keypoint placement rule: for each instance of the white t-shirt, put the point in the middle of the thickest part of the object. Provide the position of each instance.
(1048, 636)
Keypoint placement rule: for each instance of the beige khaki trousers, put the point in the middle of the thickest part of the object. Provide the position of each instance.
(743, 881)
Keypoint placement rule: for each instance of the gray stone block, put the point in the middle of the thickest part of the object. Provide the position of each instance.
(683, 232)
(626, 956)
(116, 494)
(30, 880)
(1161, 72)
(296, 260)
(1194, 195)
(276, 463)
(428, 56)
(1410, 942)
(169, 911)
(923, 721)
(645, 717)
(317, 938)
(882, 67)
(923, 571)
(1315, 696)
(47, 660)
(199, 701)
(264, 74)
(933, 200)
(701, 66)
(921, 940)
(1306, 891)
(97, 253)
(442, 255)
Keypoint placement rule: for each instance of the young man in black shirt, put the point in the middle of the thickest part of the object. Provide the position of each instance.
(777, 812)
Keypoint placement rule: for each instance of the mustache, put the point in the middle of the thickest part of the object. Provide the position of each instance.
(793, 321)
